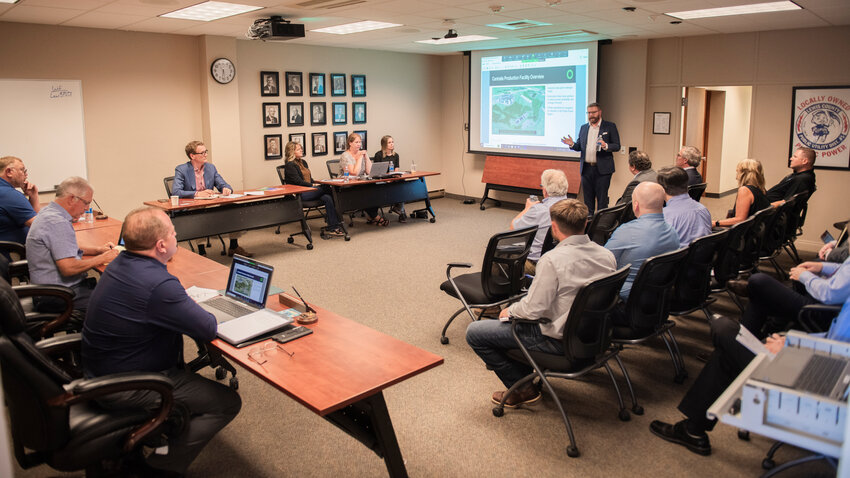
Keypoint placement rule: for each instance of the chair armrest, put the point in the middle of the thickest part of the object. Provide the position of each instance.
(85, 390)
(520, 320)
(60, 344)
(452, 265)
(14, 248)
(19, 269)
(809, 314)
(62, 292)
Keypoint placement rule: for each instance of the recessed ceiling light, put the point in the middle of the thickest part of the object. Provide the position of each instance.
(518, 24)
(356, 27)
(460, 39)
(736, 10)
(8, 1)
(209, 11)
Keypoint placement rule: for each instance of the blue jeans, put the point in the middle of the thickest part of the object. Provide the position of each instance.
(322, 193)
(491, 339)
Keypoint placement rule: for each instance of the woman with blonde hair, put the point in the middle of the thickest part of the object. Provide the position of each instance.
(387, 153)
(751, 198)
(297, 172)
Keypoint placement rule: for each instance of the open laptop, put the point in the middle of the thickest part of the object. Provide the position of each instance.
(379, 170)
(241, 312)
(807, 370)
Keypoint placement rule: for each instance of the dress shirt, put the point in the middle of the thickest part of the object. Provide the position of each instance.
(15, 211)
(136, 319)
(199, 178)
(538, 215)
(832, 286)
(689, 218)
(560, 274)
(592, 138)
(635, 241)
(50, 239)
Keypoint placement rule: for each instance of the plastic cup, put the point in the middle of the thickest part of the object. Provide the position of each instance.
(175, 200)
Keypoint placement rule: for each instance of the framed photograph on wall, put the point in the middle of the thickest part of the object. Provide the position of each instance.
(317, 113)
(337, 84)
(362, 134)
(320, 144)
(293, 83)
(340, 141)
(661, 123)
(358, 85)
(272, 146)
(317, 84)
(819, 120)
(340, 115)
(295, 114)
(300, 138)
(271, 115)
(269, 83)
(358, 112)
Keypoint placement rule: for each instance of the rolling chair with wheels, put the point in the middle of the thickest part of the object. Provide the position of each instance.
(500, 280)
(168, 182)
(587, 347)
(308, 206)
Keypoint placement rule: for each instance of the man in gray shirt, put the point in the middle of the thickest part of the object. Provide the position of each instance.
(536, 213)
(560, 274)
(53, 256)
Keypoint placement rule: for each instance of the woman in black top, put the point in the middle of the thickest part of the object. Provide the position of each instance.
(297, 172)
(387, 153)
(751, 198)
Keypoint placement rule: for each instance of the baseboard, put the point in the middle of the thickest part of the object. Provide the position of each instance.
(476, 200)
(720, 195)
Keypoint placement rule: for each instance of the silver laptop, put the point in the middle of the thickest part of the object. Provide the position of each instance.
(379, 170)
(807, 370)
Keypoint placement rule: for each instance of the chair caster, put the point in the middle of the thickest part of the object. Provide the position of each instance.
(637, 410)
(743, 435)
(572, 451)
(680, 377)
(432, 220)
(277, 231)
(444, 340)
(220, 373)
(290, 240)
(624, 415)
(223, 252)
(347, 238)
(234, 383)
(481, 207)
(309, 247)
(768, 464)
(498, 411)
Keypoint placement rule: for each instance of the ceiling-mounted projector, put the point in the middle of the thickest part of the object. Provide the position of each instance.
(274, 29)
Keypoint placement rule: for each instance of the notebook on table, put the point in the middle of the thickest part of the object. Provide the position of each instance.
(241, 312)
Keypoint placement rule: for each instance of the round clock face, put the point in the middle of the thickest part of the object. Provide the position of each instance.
(222, 70)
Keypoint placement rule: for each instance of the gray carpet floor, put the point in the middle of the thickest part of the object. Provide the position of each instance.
(388, 278)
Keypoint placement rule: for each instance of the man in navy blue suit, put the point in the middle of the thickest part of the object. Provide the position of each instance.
(597, 142)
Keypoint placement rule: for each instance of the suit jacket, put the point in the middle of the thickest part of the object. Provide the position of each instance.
(694, 177)
(184, 180)
(604, 159)
(648, 175)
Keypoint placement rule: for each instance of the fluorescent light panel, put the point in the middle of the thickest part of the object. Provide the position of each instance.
(518, 24)
(8, 1)
(736, 10)
(209, 11)
(356, 27)
(460, 39)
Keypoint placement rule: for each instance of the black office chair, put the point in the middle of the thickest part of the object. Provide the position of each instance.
(16, 253)
(693, 286)
(604, 222)
(333, 168)
(56, 420)
(796, 218)
(775, 234)
(587, 347)
(729, 258)
(648, 307)
(308, 206)
(753, 240)
(168, 182)
(500, 281)
(695, 191)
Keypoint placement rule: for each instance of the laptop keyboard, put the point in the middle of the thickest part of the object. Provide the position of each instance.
(820, 375)
(229, 307)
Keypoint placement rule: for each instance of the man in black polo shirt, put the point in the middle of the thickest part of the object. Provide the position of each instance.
(802, 179)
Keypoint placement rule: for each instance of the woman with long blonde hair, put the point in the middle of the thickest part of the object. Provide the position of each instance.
(751, 198)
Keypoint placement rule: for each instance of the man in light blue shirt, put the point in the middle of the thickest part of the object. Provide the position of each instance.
(536, 213)
(647, 236)
(690, 219)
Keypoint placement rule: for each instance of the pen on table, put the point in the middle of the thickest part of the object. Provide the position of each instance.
(309, 309)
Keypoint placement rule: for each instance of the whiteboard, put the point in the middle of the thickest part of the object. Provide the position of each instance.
(41, 122)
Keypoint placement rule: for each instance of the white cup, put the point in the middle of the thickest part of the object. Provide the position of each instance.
(175, 200)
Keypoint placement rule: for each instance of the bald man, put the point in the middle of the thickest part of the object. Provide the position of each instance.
(647, 236)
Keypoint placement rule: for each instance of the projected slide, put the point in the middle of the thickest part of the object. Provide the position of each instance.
(528, 100)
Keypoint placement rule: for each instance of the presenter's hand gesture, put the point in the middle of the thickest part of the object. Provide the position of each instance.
(568, 141)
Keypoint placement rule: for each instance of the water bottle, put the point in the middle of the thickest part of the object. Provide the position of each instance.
(346, 176)
(392, 166)
(412, 167)
(89, 217)
(599, 144)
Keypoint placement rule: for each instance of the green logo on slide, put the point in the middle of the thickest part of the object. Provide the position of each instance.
(570, 73)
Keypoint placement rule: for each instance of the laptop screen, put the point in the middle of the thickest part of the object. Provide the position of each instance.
(249, 281)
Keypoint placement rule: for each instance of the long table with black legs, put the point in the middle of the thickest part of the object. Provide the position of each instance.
(198, 218)
(339, 371)
(360, 194)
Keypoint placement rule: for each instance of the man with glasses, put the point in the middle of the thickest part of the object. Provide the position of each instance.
(197, 179)
(688, 158)
(17, 211)
(53, 255)
(597, 142)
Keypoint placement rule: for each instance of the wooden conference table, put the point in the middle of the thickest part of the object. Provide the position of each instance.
(339, 371)
(198, 218)
(360, 194)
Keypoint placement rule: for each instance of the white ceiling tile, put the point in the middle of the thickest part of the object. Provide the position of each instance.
(48, 15)
(103, 20)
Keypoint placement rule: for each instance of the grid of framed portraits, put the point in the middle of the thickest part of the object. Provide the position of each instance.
(318, 84)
